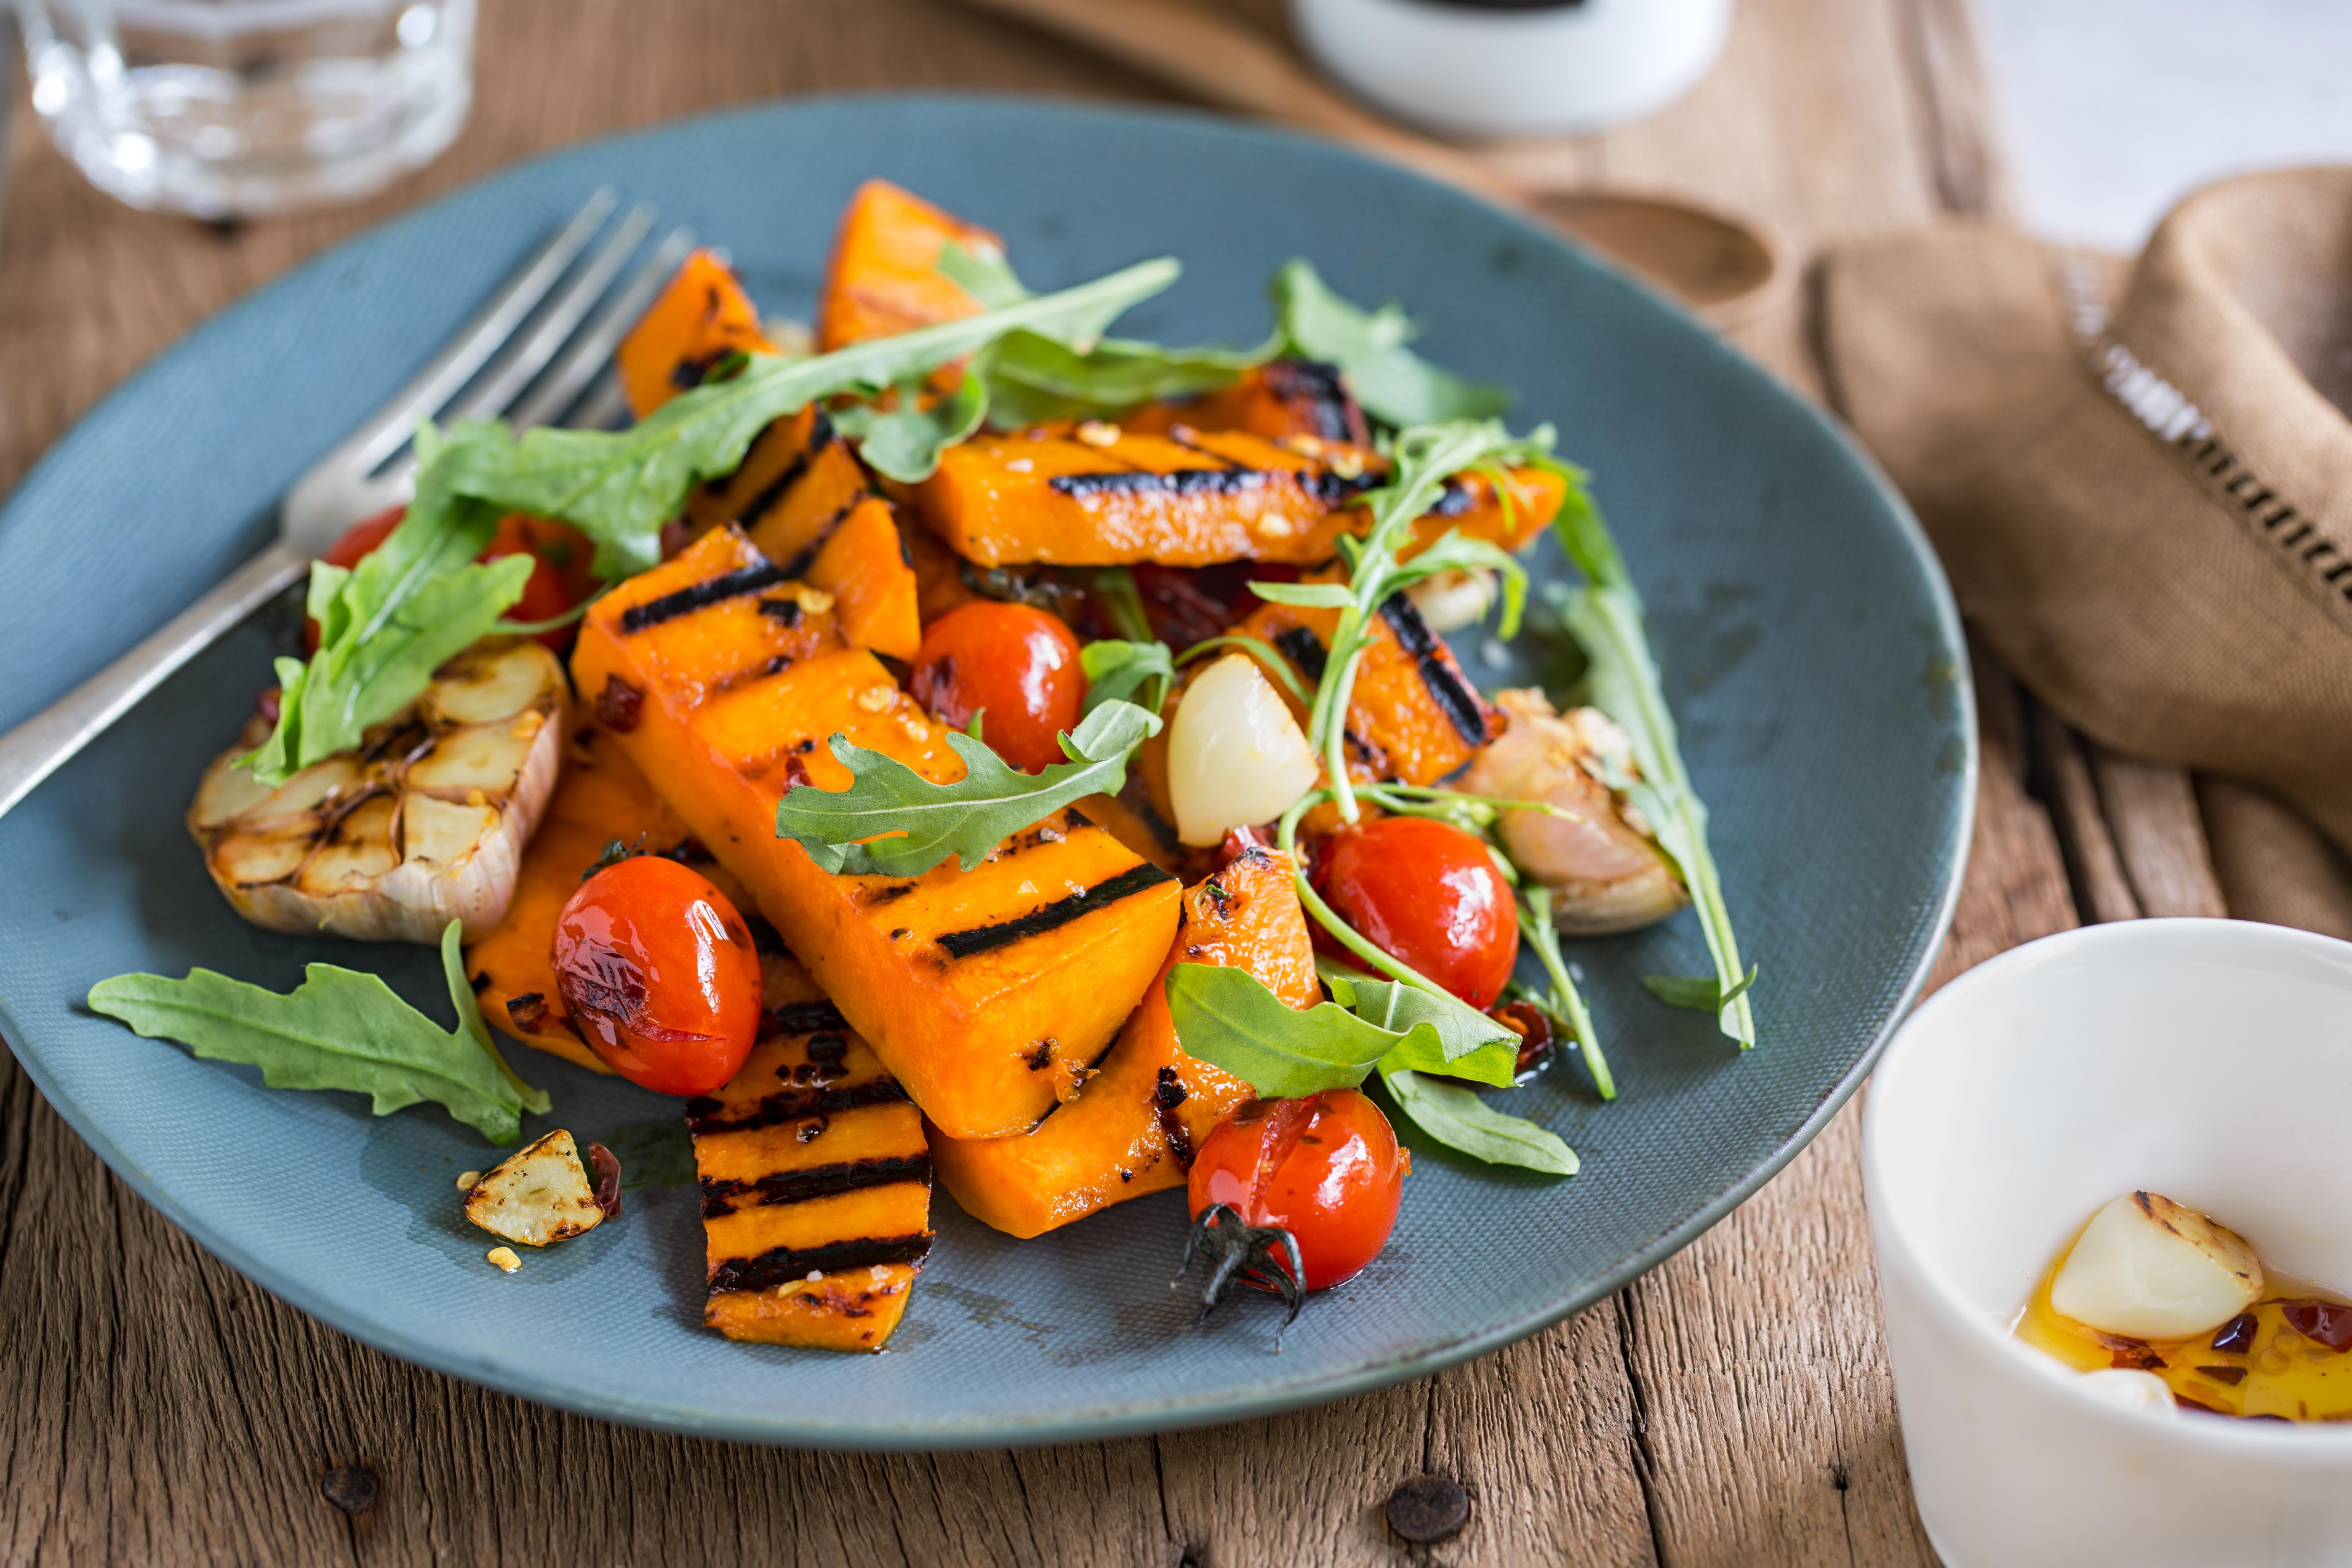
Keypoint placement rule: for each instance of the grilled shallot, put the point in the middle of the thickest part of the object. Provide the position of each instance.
(1605, 869)
(424, 822)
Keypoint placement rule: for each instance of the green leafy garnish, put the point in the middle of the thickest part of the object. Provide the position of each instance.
(1468, 1042)
(1696, 993)
(1566, 1001)
(1606, 618)
(1426, 457)
(338, 1029)
(1116, 672)
(1227, 1018)
(1460, 1119)
(914, 824)
(1389, 381)
(904, 443)
(1259, 648)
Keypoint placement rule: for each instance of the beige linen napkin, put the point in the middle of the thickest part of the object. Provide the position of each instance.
(2140, 481)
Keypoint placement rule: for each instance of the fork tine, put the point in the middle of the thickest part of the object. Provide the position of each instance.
(527, 354)
(382, 434)
(587, 352)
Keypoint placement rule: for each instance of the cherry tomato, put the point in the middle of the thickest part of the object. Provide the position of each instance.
(1427, 892)
(559, 577)
(1326, 1168)
(658, 973)
(1016, 665)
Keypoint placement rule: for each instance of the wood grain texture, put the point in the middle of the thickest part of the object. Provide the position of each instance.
(1733, 1407)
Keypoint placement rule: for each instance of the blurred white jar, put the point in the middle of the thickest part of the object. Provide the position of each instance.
(1515, 67)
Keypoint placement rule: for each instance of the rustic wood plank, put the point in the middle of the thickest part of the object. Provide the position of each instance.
(2272, 865)
(2095, 866)
(2151, 808)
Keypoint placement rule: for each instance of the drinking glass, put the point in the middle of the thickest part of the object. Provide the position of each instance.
(233, 107)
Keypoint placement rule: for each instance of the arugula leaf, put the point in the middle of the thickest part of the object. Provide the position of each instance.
(338, 1029)
(1116, 594)
(1459, 1119)
(385, 627)
(1426, 456)
(1116, 672)
(1390, 382)
(904, 443)
(983, 273)
(1469, 1043)
(1696, 993)
(1606, 618)
(619, 487)
(470, 1020)
(1035, 380)
(1537, 928)
(1227, 1018)
(908, 824)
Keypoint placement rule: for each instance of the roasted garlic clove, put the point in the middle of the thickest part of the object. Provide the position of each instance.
(1236, 756)
(2132, 1389)
(537, 1196)
(2148, 1269)
(423, 824)
(1606, 872)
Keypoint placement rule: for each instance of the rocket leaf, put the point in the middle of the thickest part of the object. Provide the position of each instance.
(1460, 1119)
(338, 1029)
(891, 821)
(1389, 380)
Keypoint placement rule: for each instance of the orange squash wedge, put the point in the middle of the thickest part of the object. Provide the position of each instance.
(883, 277)
(816, 1183)
(988, 994)
(700, 318)
(1287, 397)
(1101, 495)
(1134, 1125)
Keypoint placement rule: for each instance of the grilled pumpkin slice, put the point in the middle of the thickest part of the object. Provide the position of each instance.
(702, 317)
(988, 992)
(884, 278)
(816, 1183)
(423, 823)
(1133, 1127)
(1285, 397)
(799, 492)
(1100, 495)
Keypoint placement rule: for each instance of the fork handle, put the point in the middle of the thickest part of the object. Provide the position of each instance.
(37, 747)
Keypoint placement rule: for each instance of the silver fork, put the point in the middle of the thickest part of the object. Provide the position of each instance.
(528, 354)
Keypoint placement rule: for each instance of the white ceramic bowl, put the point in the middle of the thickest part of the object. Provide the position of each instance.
(1493, 70)
(2209, 1060)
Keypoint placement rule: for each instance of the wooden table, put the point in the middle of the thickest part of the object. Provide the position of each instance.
(1733, 1407)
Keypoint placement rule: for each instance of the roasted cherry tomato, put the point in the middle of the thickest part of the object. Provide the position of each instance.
(1326, 1168)
(658, 973)
(1016, 667)
(1428, 892)
(559, 577)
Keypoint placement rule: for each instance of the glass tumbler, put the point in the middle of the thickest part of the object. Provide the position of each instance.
(236, 107)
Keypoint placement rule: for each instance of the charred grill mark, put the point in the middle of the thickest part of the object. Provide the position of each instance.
(1439, 673)
(725, 1196)
(705, 1116)
(820, 438)
(785, 610)
(1453, 501)
(1060, 913)
(1316, 387)
(1303, 648)
(805, 1018)
(1135, 795)
(765, 938)
(1167, 1094)
(876, 897)
(1231, 481)
(800, 563)
(828, 1049)
(702, 596)
(784, 1265)
(1335, 490)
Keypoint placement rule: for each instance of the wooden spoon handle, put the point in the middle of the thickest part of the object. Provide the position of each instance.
(1224, 63)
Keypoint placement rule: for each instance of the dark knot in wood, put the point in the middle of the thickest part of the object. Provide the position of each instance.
(1428, 1509)
(351, 1488)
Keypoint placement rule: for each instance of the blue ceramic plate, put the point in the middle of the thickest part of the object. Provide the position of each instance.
(1807, 638)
